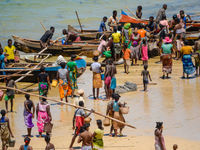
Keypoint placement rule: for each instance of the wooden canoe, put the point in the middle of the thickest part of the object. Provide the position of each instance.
(87, 34)
(33, 46)
(49, 68)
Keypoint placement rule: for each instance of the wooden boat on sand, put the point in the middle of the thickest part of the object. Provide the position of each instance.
(88, 34)
(33, 46)
(19, 68)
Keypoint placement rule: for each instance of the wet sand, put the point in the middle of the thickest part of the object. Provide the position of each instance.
(174, 101)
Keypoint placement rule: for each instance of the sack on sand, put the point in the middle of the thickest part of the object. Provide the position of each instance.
(106, 122)
(87, 120)
(48, 127)
(11, 143)
(124, 110)
(1, 95)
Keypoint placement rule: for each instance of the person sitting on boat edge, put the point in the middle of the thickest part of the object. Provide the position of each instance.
(46, 38)
(10, 52)
(102, 26)
(70, 37)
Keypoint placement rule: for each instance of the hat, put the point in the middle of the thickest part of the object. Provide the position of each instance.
(80, 91)
(167, 40)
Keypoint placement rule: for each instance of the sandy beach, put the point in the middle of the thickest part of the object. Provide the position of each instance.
(174, 101)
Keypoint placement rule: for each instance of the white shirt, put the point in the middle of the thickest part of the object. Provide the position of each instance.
(96, 67)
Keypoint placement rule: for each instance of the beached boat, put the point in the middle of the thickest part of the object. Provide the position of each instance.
(33, 46)
(87, 34)
(19, 68)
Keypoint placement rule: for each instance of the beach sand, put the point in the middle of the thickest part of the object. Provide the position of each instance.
(174, 101)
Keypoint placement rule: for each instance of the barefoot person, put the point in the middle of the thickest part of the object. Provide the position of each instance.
(5, 131)
(43, 115)
(63, 78)
(46, 38)
(145, 52)
(29, 112)
(78, 121)
(10, 94)
(167, 49)
(146, 76)
(188, 66)
(159, 139)
(26, 146)
(49, 145)
(127, 55)
(86, 137)
(117, 115)
(116, 36)
(98, 136)
(97, 70)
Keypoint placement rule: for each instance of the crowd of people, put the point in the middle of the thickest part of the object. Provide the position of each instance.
(132, 43)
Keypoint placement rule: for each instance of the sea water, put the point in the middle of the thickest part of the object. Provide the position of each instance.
(23, 17)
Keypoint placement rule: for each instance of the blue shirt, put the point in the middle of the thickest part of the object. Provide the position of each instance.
(102, 26)
(116, 106)
(184, 20)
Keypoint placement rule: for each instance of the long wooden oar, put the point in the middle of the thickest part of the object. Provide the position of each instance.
(43, 26)
(33, 68)
(79, 21)
(16, 75)
(69, 104)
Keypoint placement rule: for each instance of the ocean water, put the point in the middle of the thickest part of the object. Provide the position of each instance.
(22, 17)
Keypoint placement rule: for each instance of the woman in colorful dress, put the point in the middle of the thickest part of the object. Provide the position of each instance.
(43, 115)
(135, 48)
(5, 131)
(63, 78)
(72, 68)
(29, 114)
(188, 66)
(159, 139)
(166, 57)
(98, 137)
(44, 82)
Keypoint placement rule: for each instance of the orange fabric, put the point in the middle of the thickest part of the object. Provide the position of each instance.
(129, 19)
(63, 88)
(127, 53)
(186, 50)
(142, 33)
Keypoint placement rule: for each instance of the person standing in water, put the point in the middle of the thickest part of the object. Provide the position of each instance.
(86, 137)
(64, 81)
(146, 75)
(26, 146)
(49, 145)
(29, 114)
(97, 70)
(10, 94)
(5, 130)
(159, 139)
(98, 136)
(78, 121)
(139, 12)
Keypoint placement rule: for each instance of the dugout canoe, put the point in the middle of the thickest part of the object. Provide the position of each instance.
(33, 46)
(88, 34)
(20, 68)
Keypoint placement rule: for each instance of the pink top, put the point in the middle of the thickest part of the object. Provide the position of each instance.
(164, 23)
(100, 47)
(43, 107)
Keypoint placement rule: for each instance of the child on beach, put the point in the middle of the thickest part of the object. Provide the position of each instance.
(98, 136)
(26, 146)
(80, 98)
(179, 45)
(144, 52)
(145, 73)
(175, 147)
(126, 57)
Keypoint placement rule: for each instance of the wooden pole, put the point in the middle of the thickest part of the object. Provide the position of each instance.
(43, 26)
(16, 75)
(69, 104)
(132, 13)
(79, 21)
(33, 68)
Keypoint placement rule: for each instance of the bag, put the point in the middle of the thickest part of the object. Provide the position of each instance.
(87, 120)
(1, 95)
(11, 143)
(48, 127)
(106, 122)
(124, 110)
(54, 83)
(102, 76)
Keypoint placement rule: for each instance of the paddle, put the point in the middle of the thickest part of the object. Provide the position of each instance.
(132, 13)
(79, 21)
(69, 104)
